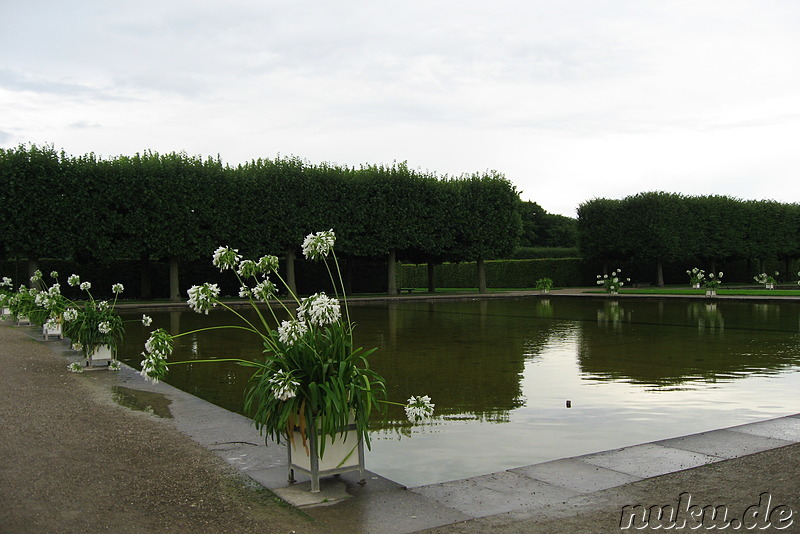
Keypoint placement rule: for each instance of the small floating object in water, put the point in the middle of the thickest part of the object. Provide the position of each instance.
(569, 404)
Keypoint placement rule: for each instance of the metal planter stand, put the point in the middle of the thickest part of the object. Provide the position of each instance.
(343, 453)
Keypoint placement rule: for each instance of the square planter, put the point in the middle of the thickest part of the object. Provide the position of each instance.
(56, 331)
(343, 453)
(100, 357)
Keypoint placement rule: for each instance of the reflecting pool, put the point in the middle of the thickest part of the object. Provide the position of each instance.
(502, 373)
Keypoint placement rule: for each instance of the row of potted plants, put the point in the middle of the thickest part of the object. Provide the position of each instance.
(93, 327)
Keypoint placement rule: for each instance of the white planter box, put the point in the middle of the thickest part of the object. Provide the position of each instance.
(54, 332)
(343, 453)
(22, 320)
(101, 356)
(711, 293)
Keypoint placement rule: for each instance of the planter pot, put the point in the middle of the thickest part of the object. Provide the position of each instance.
(343, 453)
(22, 320)
(5, 311)
(711, 292)
(770, 286)
(101, 356)
(544, 291)
(52, 332)
(696, 286)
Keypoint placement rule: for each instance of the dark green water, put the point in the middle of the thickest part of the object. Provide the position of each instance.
(501, 371)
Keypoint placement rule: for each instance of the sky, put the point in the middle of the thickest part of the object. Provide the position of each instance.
(570, 100)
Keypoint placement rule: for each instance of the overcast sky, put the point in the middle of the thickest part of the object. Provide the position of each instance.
(570, 100)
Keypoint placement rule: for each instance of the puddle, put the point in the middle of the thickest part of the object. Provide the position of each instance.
(143, 401)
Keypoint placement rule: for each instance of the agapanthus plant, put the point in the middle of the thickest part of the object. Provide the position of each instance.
(613, 282)
(766, 279)
(696, 276)
(92, 323)
(712, 281)
(311, 375)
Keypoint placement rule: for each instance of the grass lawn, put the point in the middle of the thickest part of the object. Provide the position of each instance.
(730, 291)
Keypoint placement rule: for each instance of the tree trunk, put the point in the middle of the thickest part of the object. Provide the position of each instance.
(290, 279)
(431, 280)
(174, 287)
(33, 266)
(146, 289)
(660, 274)
(392, 273)
(481, 275)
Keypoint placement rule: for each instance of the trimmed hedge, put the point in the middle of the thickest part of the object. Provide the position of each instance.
(542, 253)
(565, 272)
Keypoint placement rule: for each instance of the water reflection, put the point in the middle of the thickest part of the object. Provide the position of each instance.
(500, 372)
(707, 315)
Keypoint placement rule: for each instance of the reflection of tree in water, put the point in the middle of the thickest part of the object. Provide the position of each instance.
(612, 314)
(663, 351)
(707, 315)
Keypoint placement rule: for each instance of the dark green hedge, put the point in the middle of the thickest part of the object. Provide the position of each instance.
(565, 272)
(541, 253)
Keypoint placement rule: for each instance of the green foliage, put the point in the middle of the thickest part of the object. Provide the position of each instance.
(542, 229)
(564, 272)
(537, 253)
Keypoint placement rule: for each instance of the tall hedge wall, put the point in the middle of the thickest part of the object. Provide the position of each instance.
(565, 272)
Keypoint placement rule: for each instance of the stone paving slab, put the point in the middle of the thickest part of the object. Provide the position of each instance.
(724, 443)
(495, 493)
(784, 428)
(648, 460)
(576, 475)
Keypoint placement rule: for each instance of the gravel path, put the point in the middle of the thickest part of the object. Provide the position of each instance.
(70, 462)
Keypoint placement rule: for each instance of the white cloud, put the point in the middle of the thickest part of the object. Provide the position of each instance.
(570, 100)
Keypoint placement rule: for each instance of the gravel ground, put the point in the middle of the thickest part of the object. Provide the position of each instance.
(72, 461)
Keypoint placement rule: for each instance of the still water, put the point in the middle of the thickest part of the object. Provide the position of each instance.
(501, 373)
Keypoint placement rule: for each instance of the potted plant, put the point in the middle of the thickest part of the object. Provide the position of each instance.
(313, 389)
(696, 277)
(6, 293)
(612, 283)
(768, 280)
(544, 285)
(95, 328)
(21, 303)
(712, 283)
(49, 305)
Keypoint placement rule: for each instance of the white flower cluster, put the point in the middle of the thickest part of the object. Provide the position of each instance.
(53, 274)
(158, 348)
(75, 367)
(147, 320)
(51, 323)
(6, 282)
(104, 327)
(203, 298)
(69, 315)
(73, 280)
(291, 331)
(117, 289)
(86, 286)
(319, 310)
(419, 408)
(244, 292)
(226, 258)
(37, 276)
(114, 365)
(283, 387)
(264, 290)
(319, 244)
